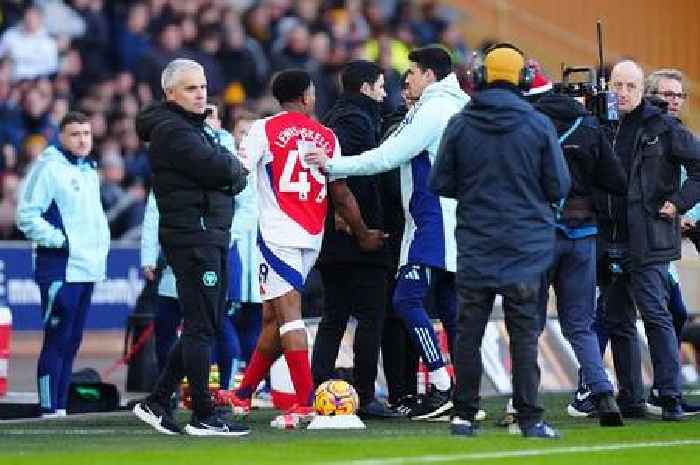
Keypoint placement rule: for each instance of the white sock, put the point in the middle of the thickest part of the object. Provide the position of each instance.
(440, 378)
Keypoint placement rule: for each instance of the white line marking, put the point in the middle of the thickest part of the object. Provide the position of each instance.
(518, 453)
(73, 432)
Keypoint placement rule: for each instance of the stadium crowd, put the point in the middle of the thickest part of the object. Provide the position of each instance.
(105, 58)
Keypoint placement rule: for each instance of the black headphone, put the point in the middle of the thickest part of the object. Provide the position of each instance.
(525, 77)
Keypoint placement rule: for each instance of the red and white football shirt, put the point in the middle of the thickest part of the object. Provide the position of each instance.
(292, 196)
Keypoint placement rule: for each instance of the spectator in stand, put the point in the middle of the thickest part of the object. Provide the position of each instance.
(169, 47)
(295, 51)
(132, 40)
(242, 60)
(32, 51)
(31, 118)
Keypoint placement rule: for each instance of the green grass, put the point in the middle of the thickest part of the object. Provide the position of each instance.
(122, 439)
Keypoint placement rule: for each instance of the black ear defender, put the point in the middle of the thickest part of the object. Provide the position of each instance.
(525, 77)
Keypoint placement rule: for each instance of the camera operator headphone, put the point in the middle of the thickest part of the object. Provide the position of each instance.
(525, 76)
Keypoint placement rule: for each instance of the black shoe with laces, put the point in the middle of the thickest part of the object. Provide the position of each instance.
(158, 416)
(215, 425)
(435, 403)
(405, 405)
(607, 409)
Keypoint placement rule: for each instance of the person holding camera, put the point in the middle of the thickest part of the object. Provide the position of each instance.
(501, 160)
(643, 237)
(592, 165)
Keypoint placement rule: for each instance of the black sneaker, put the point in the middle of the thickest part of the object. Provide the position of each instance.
(215, 425)
(671, 409)
(607, 409)
(638, 411)
(376, 409)
(157, 416)
(435, 403)
(405, 405)
(582, 406)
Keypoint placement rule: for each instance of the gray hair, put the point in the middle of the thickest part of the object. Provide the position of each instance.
(652, 84)
(172, 71)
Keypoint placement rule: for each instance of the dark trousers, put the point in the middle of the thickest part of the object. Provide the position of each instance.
(646, 289)
(202, 281)
(357, 290)
(167, 319)
(65, 307)
(520, 309)
(573, 275)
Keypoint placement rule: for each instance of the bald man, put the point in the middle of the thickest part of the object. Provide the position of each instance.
(645, 224)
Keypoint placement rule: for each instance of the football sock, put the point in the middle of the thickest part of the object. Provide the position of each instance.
(256, 371)
(300, 371)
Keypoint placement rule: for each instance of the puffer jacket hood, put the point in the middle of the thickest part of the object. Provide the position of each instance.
(497, 110)
(560, 107)
(159, 113)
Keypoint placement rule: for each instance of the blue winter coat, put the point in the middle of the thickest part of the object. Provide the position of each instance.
(502, 161)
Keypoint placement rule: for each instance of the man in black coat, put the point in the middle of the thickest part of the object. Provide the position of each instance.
(194, 181)
(502, 161)
(354, 280)
(645, 222)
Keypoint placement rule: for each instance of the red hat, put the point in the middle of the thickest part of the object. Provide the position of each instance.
(541, 83)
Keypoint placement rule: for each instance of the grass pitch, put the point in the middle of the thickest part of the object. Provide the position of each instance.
(122, 439)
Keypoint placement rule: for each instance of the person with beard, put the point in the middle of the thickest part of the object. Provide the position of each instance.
(354, 280)
(592, 165)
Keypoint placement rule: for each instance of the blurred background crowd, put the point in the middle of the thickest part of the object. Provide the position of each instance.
(105, 58)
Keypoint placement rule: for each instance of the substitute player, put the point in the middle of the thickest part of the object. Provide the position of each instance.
(292, 200)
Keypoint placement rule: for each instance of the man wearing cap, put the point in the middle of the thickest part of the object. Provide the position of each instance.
(502, 161)
(592, 165)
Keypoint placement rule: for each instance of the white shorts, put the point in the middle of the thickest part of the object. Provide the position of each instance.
(283, 269)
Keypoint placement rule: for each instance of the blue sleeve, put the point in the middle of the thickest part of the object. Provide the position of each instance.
(415, 134)
(35, 198)
(150, 248)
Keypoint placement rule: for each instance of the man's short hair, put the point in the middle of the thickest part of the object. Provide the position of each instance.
(172, 71)
(652, 84)
(290, 85)
(357, 73)
(73, 117)
(432, 57)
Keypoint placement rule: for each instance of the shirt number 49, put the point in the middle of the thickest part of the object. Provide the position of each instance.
(302, 186)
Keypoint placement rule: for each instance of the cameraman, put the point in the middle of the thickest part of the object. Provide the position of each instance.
(592, 164)
(652, 147)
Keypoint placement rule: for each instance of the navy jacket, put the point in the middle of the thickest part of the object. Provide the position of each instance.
(355, 120)
(502, 161)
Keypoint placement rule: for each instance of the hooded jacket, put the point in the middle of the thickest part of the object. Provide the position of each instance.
(589, 157)
(60, 211)
(428, 237)
(502, 161)
(194, 177)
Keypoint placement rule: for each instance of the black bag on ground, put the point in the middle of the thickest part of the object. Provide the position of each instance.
(87, 393)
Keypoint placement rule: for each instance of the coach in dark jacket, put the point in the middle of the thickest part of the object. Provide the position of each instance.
(354, 280)
(652, 147)
(502, 162)
(194, 181)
